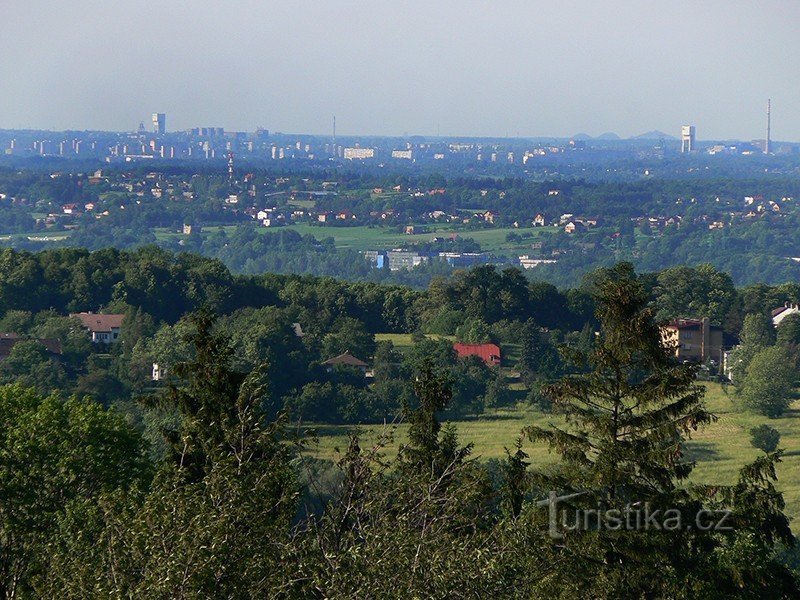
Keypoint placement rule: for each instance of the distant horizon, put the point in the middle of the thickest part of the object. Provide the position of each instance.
(578, 135)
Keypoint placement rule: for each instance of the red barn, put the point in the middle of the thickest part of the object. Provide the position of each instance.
(488, 353)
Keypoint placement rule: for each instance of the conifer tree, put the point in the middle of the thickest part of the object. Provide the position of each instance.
(623, 449)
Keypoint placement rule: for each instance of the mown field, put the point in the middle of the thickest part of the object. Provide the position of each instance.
(386, 238)
(720, 449)
(362, 237)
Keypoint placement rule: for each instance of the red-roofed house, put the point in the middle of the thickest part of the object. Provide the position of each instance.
(104, 328)
(488, 353)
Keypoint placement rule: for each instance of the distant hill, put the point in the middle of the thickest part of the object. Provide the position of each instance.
(654, 135)
(610, 135)
(581, 137)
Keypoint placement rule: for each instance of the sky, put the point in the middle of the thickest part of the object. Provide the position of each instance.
(453, 68)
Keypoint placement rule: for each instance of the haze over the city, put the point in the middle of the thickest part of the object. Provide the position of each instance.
(452, 68)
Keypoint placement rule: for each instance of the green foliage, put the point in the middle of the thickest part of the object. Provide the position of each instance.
(221, 518)
(539, 359)
(30, 364)
(55, 455)
(16, 321)
(757, 330)
(769, 381)
(516, 483)
(700, 291)
(424, 451)
(473, 331)
(788, 332)
(216, 519)
(765, 438)
(348, 335)
(627, 418)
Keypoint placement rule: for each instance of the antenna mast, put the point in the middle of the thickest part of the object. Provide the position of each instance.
(769, 110)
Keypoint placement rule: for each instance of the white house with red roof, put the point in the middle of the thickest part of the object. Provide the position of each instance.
(105, 329)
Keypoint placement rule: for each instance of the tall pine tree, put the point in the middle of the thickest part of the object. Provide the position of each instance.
(623, 449)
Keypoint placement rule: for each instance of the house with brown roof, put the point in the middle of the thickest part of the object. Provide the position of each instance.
(105, 329)
(346, 359)
(9, 340)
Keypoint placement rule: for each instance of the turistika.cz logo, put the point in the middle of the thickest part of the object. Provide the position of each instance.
(632, 517)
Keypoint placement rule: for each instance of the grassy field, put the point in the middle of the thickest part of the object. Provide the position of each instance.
(402, 341)
(381, 238)
(720, 449)
(386, 238)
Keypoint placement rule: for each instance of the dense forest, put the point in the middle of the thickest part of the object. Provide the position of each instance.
(114, 485)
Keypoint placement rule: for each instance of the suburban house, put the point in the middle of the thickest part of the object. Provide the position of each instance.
(347, 360)
(159, 372)
(9, 340)
(104, 328)
(488, 353)
(779, 314)
(693, 340)
(190, 229)
(574, 226)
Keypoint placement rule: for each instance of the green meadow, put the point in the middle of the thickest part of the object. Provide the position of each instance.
(720, 449)
(362, 237)
(382, 238)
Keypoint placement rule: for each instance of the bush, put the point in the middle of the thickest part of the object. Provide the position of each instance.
(765, 438)
(769, 381)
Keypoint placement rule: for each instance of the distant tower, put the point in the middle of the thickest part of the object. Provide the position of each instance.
(230, 167)
(334, 135)
(687, 138)
(769, 110)
(142, 130)
(160, 123)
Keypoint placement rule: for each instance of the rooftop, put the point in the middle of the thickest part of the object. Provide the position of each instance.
(345, 359)
(98, 323)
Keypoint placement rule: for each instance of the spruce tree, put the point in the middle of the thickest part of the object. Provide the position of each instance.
(623, 449)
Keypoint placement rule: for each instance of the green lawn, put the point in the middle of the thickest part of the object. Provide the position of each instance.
(386, 238)
(720, 449)
(402, 341)
(362, 237)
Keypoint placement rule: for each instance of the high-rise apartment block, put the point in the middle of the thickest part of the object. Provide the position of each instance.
(687, 138)
(358, 153)
(160, 123)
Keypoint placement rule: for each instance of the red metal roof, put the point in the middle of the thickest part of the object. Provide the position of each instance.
(489, 353)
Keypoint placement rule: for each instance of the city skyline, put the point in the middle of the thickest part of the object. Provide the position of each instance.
(514, 70)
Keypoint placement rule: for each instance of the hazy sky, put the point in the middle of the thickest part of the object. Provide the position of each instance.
(518, 68)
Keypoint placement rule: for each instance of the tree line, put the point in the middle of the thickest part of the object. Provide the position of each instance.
(231, 508)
